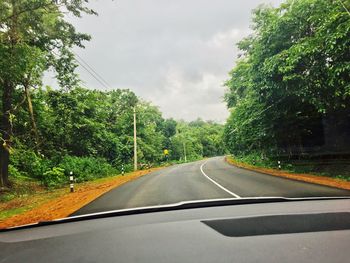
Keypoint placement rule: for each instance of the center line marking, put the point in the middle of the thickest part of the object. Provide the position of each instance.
(217, 184)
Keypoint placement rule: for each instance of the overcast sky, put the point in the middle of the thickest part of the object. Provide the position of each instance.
(174, 53)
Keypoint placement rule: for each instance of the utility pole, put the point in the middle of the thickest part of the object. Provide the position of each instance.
(135, 142)
(185, 151)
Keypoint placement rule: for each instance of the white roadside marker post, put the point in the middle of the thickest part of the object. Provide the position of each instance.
(71, 179)
(279, 165)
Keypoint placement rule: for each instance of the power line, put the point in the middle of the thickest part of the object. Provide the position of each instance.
(98, 75)
(91, 72)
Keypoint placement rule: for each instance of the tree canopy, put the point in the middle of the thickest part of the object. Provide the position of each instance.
(34, 37)
(289, 93)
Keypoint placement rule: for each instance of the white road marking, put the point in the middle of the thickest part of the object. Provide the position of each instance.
(216, 183)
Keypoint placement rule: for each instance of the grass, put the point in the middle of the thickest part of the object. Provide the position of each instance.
(11, 212)
(27, 194)
(24, 195)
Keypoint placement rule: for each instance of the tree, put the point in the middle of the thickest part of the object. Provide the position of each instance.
(150, 134)
(198, 139)
(34, 37)
(291, 79)
(169, 130)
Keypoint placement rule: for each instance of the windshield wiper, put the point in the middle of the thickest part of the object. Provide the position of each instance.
(172, 207)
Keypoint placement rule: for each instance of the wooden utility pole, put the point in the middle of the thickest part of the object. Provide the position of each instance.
(135, 142)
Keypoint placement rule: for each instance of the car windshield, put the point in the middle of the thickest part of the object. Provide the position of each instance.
(109, 105)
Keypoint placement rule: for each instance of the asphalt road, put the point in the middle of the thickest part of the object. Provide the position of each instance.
(207, 179)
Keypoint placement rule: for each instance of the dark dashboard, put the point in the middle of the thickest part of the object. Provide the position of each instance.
(294, 231)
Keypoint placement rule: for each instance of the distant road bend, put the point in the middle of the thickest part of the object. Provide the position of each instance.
(207, 179)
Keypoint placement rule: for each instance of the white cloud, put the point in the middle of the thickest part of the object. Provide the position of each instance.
(183, 98)
(224, 39)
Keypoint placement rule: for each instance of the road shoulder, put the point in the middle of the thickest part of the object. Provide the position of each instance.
(65, 203)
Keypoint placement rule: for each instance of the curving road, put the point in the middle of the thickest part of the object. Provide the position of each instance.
(207, 179)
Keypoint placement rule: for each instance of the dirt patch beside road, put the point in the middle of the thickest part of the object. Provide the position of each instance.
(61, 203)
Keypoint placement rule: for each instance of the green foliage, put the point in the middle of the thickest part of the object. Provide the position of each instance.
(338, 169)
(34, 37)
(255, 158)
(197, 139)
(90, 133)
(25, 54)
(290, 88)
(54, 177)
(13, 171)
(150, 136)
(86, 168)
(28, 163)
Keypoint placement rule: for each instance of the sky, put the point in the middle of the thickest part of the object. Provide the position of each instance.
(173, 53)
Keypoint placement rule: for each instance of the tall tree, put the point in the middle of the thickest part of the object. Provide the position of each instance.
(293, 76)
(34, 36)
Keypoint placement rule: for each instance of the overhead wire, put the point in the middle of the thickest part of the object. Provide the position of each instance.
(92, 74)
(91, 68)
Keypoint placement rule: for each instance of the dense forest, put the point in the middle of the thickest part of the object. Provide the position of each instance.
(46, 132)
(289, 92)
(90, 132)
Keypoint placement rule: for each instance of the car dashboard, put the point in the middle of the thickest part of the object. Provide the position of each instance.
(295, 231)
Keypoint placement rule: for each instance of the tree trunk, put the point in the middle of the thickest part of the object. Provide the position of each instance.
(31, 114)
(6, 133)
(8, 89)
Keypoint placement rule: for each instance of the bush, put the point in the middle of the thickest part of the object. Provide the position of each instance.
(28, 163)
(86, 168)
(255, 158)
(54, 172)
(54, 177)
(127, 168)
(13, 172)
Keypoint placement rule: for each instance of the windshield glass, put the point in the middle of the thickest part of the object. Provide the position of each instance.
(110, 105)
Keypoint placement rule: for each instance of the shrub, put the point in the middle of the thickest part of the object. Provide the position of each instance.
(28, 163)
(13, 172)
(54, 177)
(86, 168)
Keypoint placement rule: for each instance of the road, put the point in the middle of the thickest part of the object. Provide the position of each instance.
(206, 179)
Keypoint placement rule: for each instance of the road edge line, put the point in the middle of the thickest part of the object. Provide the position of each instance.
(216, 183)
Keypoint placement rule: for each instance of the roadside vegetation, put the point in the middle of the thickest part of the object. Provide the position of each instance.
(48, 132)
(90, 133)
(289, 92)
